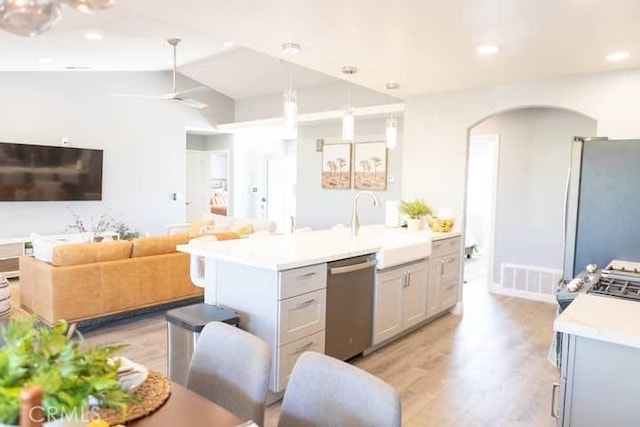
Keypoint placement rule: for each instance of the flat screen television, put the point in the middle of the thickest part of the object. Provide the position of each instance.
(48, 173)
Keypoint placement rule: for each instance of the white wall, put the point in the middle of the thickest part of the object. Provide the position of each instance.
(325, 97)
(197, 142)
(436, 126)
(535, 151)
(143, 142)
(320, 208)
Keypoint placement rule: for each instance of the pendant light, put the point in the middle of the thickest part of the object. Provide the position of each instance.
(392, 132)
(348, 120)
(290, 95)
(30, 18)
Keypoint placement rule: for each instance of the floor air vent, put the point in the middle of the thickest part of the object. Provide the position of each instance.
(528, 281)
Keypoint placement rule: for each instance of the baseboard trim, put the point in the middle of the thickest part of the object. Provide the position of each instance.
(128, 316)
(497, 289)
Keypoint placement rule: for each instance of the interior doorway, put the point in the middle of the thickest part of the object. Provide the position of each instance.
(482, 185)
(207, 183)
(522, 245)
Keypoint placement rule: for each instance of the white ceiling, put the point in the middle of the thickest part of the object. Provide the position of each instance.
(243, 73)
(425, 45)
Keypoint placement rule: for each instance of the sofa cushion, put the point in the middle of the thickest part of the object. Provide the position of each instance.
(159, 245)
(221, 222)
(86, 253)
(242, 229)
(195, 227)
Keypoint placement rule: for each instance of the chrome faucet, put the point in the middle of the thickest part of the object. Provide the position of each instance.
(355, 221)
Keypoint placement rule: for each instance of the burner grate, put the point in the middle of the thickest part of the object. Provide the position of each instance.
(617, 288)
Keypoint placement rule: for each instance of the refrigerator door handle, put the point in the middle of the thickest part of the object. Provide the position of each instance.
(566, 206)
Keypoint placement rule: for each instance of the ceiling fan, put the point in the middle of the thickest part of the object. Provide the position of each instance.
(175, 95)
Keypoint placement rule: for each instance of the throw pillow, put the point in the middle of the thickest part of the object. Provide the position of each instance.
(243, 229)
(195, 228)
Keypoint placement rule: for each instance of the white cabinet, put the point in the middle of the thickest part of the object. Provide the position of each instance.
(444, 275)
(10, 252)
(400, 299)
(287, 309)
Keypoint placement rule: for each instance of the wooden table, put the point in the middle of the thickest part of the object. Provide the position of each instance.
(186, 408)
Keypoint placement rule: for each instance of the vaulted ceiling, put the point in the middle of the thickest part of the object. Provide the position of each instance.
(424, 45)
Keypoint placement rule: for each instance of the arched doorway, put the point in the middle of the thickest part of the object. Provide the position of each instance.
(517, 223)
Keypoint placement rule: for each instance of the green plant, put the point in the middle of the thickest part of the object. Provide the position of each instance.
(415, 209)
(125, 232)
(104, 223)
(52, 358)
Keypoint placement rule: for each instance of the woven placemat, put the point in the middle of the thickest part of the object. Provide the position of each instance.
(152, 394)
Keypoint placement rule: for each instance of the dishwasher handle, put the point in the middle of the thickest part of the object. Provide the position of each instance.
(351, 268)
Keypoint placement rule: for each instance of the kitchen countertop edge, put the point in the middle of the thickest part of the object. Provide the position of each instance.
(601, 318)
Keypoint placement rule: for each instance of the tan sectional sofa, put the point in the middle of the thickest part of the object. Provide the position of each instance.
(87, 281)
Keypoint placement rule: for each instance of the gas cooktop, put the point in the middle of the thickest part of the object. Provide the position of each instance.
(620, 279)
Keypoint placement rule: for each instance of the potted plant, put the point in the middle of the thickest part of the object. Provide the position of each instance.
(415, 210)
(70, 375)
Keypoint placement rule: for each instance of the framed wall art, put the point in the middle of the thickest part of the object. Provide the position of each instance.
(370, 166)
(336, 166)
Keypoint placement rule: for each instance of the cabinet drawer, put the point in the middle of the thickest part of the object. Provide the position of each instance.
(445, 246)
(9, 265)
(302, 315)
(302, 280)
(288, 355)
(450, 265)
(448, 293)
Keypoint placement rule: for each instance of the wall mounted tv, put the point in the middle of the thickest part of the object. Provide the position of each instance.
(47, 173)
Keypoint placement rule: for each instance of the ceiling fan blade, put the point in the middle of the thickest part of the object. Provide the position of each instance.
(193, 103)
(193, 91)
(134, 95)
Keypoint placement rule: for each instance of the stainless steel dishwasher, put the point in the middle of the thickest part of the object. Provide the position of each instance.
(349, 324)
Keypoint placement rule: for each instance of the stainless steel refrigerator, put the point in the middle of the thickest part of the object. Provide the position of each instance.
(602, 206)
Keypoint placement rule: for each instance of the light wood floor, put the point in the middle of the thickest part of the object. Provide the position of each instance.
(486, 368)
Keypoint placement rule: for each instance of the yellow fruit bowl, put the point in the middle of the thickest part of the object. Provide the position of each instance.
(440, 225)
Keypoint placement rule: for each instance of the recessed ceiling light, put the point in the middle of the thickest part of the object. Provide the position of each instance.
(618, 56)
(228, 45)
(392, 85)
(487, 49)
(45, 60)
(291, 48)
(93, 36)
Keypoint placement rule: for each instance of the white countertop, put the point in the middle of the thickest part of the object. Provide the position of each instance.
(283, 252)
(602, 318)
(441, 236)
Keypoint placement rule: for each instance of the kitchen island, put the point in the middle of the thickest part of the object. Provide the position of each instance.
(278, 283)
(599, 372)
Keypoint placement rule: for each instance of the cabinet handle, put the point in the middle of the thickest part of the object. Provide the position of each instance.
(306, 303)
(554, 413)
(441, 267)
(304, 276)
(303, 347)
(408, 274)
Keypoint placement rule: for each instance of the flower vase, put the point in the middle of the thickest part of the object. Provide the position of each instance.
(414, 224)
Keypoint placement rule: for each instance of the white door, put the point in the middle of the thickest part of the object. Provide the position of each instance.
(276, 197)
(198, 172)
